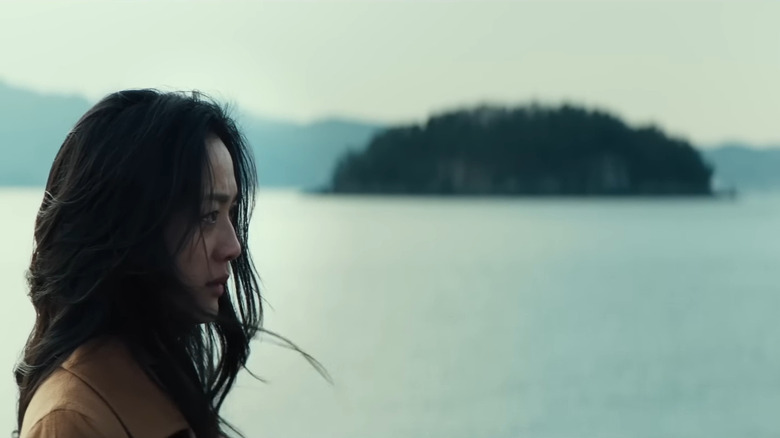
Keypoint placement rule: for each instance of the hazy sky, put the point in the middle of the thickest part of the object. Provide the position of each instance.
(709, 71)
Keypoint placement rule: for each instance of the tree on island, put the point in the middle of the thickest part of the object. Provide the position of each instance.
(531, 150)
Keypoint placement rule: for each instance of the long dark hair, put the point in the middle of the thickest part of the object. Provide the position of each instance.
(100, 265)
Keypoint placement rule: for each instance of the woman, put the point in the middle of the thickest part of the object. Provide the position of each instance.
(145, 293)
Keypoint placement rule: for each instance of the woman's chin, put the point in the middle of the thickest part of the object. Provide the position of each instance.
(207, 312)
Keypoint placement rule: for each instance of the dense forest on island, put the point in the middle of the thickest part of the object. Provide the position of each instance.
(529, 150)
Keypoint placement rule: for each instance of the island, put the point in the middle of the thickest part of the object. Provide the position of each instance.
(561, 150)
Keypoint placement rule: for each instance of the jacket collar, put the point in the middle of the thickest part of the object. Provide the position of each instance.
(107, 366)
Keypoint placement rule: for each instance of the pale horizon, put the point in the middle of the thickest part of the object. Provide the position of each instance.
(700, 70)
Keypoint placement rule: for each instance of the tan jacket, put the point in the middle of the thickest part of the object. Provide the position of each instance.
(100, 391)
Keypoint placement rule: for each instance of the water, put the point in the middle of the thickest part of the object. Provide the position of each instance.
(496, 318)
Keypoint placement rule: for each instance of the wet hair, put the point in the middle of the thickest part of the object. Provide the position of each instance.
(101, 266)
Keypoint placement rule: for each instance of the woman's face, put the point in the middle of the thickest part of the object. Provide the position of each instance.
(204, 262)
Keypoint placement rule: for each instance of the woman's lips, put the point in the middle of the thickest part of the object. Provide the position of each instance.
(217, 289)
(217, 285)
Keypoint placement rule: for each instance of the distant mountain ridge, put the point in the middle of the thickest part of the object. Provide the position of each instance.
(745, 167)
(33, 126)
(302, 155)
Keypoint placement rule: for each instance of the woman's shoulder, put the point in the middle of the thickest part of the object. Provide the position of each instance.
(68, 406)
(102, 386)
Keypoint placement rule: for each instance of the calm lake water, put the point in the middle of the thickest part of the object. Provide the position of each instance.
(495, 318)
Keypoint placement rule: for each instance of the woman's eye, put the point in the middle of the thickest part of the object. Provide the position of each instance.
(211, 218)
